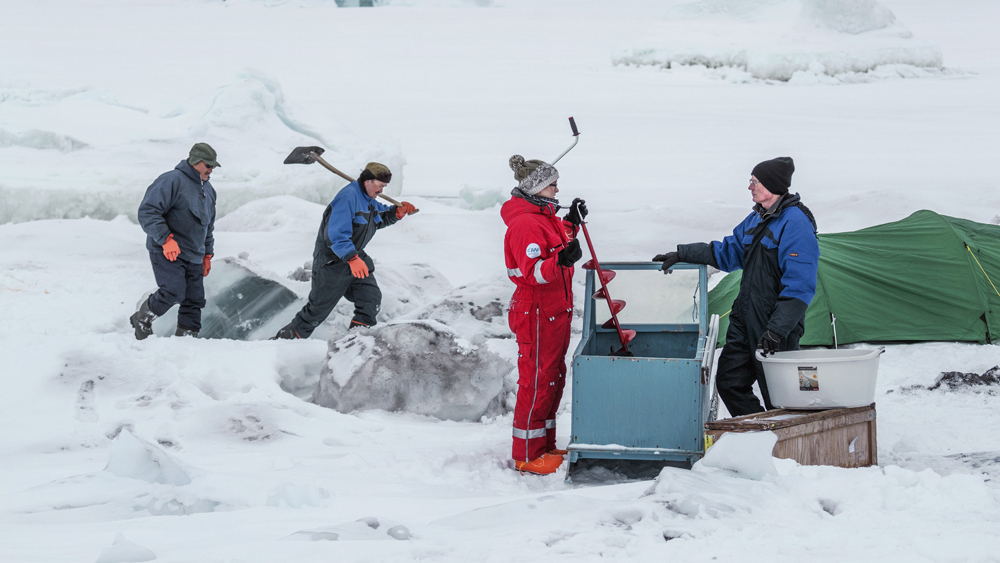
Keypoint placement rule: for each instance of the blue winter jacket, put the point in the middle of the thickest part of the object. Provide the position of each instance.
(349, 223)
(179, 203)
(779, 272)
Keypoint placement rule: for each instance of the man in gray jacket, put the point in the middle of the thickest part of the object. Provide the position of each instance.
(178, 215)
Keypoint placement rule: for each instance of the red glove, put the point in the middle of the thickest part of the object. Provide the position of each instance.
(405, 208)
(170, 248)
(206, 263)
(358, 267)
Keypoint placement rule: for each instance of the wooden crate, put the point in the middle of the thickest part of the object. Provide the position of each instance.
(841, 437)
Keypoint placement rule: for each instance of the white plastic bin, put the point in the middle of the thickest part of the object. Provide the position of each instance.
(821, 379)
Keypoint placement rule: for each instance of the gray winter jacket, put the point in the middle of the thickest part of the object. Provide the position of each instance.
(178, 202)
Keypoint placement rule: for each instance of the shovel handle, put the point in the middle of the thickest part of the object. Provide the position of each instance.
(329, 167)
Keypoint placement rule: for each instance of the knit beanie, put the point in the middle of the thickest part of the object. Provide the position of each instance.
(775, 174)
(375, 171)
(533, 175)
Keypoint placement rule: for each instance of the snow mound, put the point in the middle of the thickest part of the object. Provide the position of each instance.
(247, 120)
(746, 454)
(421, 367)
(124, 551)
(297, 496)
(272, 214)
(848, 16)
(136, 459)
(42, 140)
(368, 528)
(800, 41)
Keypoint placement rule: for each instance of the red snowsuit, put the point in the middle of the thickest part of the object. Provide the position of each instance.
(540, 313)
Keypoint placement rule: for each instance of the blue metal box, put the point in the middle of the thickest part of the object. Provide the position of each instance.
(652, 406)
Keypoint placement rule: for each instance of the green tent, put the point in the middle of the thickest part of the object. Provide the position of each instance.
(927, 277)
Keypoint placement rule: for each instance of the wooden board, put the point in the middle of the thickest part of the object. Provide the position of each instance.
(841, 437)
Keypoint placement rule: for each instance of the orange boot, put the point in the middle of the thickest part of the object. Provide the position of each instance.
(557, 451)
(544, 465)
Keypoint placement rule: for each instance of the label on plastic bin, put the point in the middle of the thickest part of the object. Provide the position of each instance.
(808, 378)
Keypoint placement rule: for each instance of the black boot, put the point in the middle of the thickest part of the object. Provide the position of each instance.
(142, 321)
(286, 333)
(185, 331)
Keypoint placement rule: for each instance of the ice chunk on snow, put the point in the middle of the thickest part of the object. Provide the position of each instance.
(421, 367)
(124, 551)
(748, 454)
(240, 298)
(137, 459)
(476, 311)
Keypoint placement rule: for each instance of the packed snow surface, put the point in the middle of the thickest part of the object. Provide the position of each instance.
(212, 450)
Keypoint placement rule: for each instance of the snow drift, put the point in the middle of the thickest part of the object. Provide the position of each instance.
(803, 41)
(247, 120)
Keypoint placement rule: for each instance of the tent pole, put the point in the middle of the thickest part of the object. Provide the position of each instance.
(834, 323)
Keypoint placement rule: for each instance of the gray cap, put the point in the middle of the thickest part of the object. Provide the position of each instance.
(203, 152)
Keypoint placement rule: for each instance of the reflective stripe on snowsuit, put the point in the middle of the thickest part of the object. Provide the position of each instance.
(540, 314)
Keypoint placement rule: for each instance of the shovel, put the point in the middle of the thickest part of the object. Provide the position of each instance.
(309, 155)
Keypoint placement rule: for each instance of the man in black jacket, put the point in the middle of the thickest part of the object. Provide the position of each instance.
(777, 249)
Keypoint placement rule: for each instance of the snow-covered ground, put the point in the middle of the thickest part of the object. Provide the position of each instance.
(205, 450)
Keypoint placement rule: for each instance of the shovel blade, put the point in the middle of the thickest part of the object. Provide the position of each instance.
(303, 155)
(608, 275)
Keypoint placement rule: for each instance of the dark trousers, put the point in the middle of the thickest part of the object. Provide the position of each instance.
(332, 281)
(181, 282)
(738, 368)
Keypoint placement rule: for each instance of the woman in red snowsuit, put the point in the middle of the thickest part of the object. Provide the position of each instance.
(540, 250)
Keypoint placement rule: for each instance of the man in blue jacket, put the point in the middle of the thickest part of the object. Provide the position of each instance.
(777, 249)
(178, 215)
(341, 268)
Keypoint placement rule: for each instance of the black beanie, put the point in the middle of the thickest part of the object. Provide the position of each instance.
(776, 174)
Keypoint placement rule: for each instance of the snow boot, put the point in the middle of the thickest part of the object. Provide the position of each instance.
(557, 451)
(545, 465)
(356, 324)
(286, 333)
(142, 321)
(185, 331)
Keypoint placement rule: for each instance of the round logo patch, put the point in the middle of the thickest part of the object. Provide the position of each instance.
(533, 251)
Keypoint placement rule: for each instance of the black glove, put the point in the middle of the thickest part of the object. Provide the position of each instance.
(569, 255)
(768, 343)
(577, 212)
(668, 259)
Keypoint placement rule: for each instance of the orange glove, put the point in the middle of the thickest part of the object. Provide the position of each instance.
(170, 248)
(405, 208)
(206, 263)
(358, 267)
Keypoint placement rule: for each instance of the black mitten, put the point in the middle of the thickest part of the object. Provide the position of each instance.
(569, 255)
